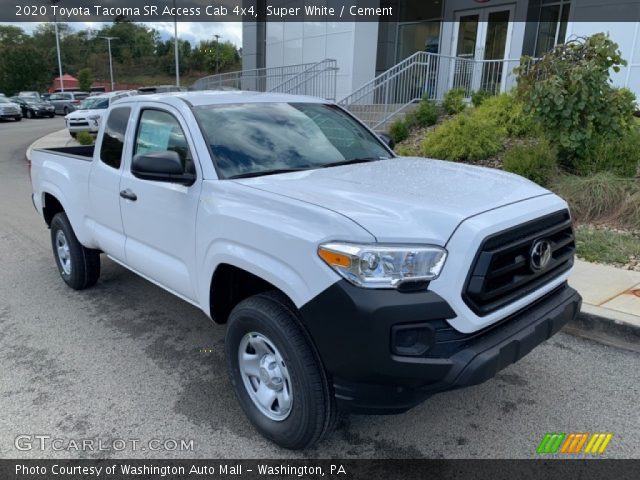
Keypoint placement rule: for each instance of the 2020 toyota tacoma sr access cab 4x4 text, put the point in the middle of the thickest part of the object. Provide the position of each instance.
(349, 279)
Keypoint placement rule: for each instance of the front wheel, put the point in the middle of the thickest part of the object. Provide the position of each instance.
(280, 383)
(18, 119)
(79, 267)
(29, 114)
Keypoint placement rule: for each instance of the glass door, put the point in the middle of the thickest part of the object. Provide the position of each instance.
(481, 42)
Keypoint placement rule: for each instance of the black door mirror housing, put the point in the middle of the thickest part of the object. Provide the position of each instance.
(387, 140)
(165, 166)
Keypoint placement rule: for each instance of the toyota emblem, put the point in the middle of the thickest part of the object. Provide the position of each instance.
(540, 255)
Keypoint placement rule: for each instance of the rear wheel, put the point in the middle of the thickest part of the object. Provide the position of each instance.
(51, 115)
(18, 119)
(66, 110)
(79, 267)
(280, 383)
(29, 114)
(73, 134)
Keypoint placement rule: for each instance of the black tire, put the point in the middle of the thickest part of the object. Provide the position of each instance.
(29, 114)
(18, 119)
(73, 134)
(66, 111)
(84, 264)
(313, 409)
(51, 115)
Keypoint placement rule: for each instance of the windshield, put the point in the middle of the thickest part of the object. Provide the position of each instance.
(94, 104)
(258, 138)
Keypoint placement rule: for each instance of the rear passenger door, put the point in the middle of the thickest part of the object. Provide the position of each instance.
(104, 184)
(159, 218)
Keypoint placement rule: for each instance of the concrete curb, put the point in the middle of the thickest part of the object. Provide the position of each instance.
(51, 140)
(617, 332)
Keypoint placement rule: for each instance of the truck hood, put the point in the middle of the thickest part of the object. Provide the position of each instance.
(405, 199)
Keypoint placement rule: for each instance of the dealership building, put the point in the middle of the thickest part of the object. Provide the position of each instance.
(475, 43)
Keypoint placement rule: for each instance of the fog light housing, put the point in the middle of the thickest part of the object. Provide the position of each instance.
(411, 340)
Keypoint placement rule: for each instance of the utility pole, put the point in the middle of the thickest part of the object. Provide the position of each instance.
(176, 51)
(55, 23)
(108, 39)
(217, 52)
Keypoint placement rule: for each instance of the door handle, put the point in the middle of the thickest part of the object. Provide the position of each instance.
(129, 195)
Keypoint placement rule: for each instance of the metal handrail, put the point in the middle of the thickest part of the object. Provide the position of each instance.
(316, 79)
(429, 75)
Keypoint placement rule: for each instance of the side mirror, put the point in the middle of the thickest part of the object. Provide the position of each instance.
(387, 140)
(165, 166)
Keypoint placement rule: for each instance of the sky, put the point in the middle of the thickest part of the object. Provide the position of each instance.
(191, 31)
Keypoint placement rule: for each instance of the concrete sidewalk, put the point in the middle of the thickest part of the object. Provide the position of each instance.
(611, 296)
(58, 139)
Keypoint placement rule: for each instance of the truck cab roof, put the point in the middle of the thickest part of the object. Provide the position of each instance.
(217, 97)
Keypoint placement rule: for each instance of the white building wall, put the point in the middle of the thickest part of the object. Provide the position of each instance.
(627, 36)
(352, 44)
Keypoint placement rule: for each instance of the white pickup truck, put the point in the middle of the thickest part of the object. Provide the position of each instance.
(349, 279)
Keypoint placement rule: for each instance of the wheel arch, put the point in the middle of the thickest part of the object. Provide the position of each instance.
(230, 285)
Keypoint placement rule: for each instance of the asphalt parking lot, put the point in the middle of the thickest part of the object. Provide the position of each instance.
(127, 361)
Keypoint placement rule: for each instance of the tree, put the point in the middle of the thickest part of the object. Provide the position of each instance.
(21, 68)
(85, 79)
(10, 35)
(570, 92)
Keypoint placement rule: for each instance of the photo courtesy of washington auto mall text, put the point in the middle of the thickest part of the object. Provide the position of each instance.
(319, 239)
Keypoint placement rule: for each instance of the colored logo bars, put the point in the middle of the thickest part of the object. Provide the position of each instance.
(595, 443)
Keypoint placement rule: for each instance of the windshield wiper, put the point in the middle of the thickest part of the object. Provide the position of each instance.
(353, 161)
(267, 172)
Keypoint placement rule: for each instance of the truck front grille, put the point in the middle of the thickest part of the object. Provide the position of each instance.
(504, 271)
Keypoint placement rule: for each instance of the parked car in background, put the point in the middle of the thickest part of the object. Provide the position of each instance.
(90, 112)
(2, 95)
(30, 94)
(67, 102)
(45, 96)
(9, 109)
(160, 89)
(32, 107)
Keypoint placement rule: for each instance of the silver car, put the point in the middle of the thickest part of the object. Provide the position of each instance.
(67, 102)
(10, 110)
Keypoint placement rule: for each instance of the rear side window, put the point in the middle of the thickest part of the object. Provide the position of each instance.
(113, 139)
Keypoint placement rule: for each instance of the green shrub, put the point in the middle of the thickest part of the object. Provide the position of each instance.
(478, 98)
(601, 198)
(605, 246)
(570, 92)
(453, 101)
(506, 112)
(399, 131)
(405, 151)
(463, 138)
(85, 138)
(620, 156)
(425, 115)
(537, 162)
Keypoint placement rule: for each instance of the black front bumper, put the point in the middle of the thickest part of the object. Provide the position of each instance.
(352, 327)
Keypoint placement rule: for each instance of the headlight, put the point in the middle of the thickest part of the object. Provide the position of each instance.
(383, 266)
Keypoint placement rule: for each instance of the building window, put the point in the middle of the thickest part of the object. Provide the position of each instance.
(552, 25)
(418, 27)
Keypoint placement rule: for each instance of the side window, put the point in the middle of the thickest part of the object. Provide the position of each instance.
(113, 139)
(55, 96)
(159, 131)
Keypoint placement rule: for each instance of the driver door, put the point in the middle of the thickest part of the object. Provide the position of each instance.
(159, 218)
